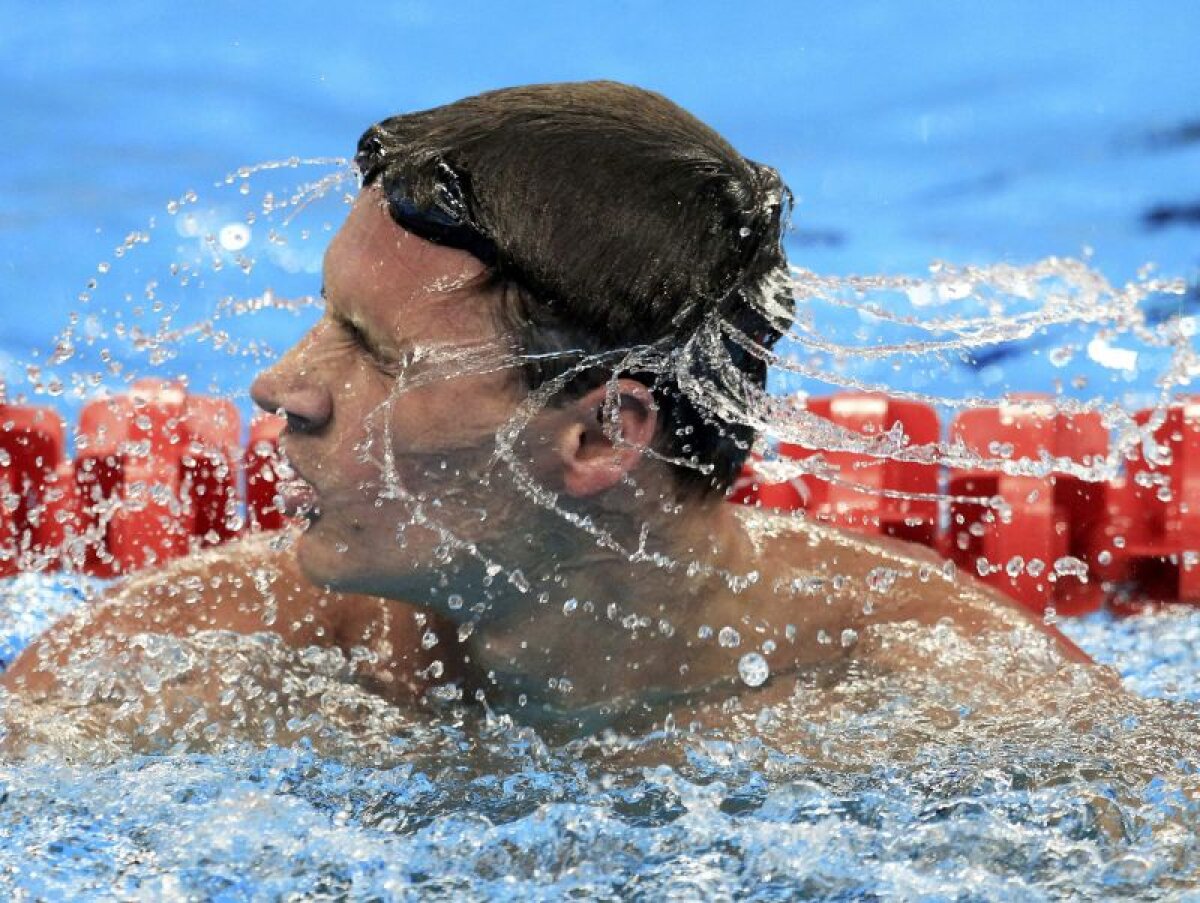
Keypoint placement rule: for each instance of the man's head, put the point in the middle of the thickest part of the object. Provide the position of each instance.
(620, 247)
(610, 219)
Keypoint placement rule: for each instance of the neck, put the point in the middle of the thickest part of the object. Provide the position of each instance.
(611, 632)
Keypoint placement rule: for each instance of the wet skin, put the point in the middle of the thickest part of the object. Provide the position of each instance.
(405, 500)
(245, 587)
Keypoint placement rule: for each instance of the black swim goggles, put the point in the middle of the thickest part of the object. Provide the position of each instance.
(445, 221)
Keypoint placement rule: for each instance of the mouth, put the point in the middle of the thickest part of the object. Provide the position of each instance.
(294, 495)
(297, 498)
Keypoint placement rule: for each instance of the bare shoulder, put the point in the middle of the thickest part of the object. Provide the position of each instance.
(875, 580)
(248, 586)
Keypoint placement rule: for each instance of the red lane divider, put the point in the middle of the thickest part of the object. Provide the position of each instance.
(1153, 532)
(262, 463)
(209, 466)
(155, 475)
(1044, 538)
(158, 472)
(1040, 546)
(58, 523)
(750, 488)
(31, 451)
(861, 498)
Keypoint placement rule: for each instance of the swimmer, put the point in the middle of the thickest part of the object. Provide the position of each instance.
(516, 424)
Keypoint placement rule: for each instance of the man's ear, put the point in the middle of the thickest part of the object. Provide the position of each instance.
(605, 434)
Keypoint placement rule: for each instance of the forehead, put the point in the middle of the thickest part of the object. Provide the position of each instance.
(378, 272)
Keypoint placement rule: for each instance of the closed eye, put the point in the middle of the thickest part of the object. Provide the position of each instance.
(362, 340)
(385, 362)
(354, 333)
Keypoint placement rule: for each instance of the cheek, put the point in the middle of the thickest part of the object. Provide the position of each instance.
(434, 443)
(432, 422)
(363, 419)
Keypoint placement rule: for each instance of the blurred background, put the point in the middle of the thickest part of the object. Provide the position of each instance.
(973, 132)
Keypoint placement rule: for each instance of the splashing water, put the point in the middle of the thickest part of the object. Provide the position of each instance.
(949, 764)
(286, 776)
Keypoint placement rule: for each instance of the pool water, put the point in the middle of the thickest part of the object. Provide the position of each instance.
(1031, 780)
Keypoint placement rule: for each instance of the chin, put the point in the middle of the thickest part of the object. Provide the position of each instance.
(321, 563)
(309, 566)
(356, 570)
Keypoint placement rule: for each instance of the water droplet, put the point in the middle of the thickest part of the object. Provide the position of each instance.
(729, 638)
(1070, 566)
(849, 637)
(1060, 357)
(880, 580)
(753, 669)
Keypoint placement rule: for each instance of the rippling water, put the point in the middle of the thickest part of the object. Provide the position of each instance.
(1031, 779)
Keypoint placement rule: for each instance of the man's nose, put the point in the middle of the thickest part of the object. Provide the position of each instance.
(291, 388)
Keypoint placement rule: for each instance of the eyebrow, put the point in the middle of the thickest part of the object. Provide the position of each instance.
(363, 330)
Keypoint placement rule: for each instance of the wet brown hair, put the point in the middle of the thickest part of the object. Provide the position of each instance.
(612, 219)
